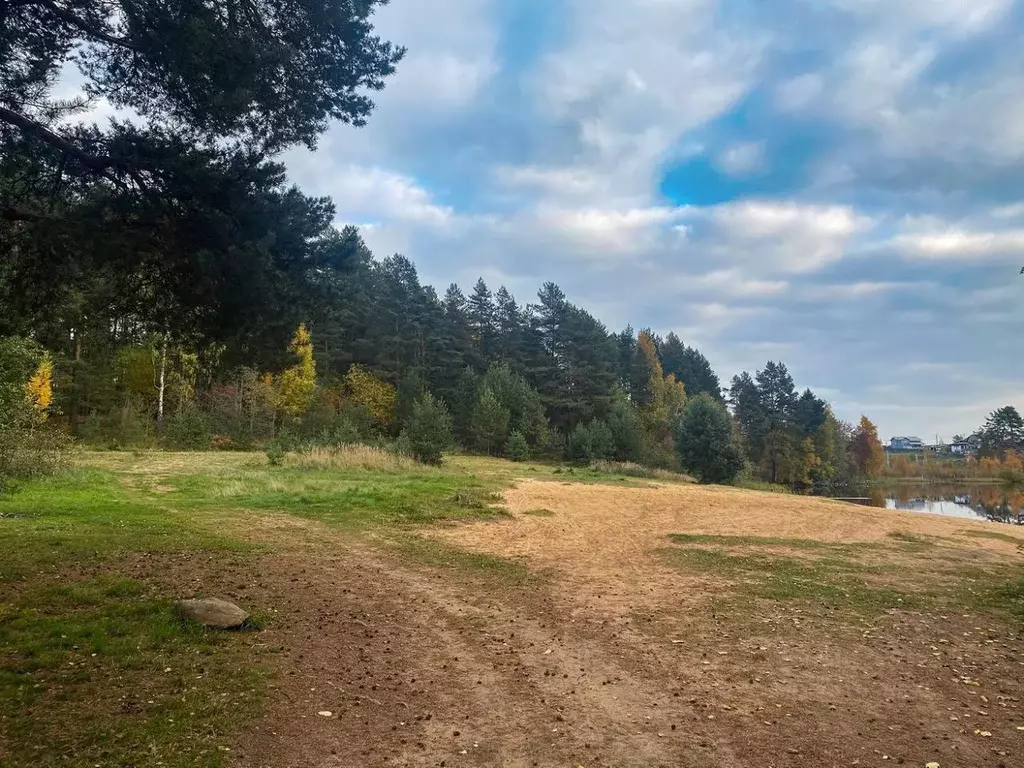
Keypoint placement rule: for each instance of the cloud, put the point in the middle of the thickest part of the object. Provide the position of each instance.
(742, 159)
(962, 244)
(845, 168)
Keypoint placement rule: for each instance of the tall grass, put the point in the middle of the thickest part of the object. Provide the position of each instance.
(631, 469)
(353, 457)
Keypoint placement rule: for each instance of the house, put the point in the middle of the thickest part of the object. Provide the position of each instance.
(906, 444)
(968, 447)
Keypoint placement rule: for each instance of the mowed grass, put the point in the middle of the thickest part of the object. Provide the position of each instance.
(95, 669)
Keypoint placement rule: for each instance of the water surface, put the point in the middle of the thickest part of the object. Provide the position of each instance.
(982, 502)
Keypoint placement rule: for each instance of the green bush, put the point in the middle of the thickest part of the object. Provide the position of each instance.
(429, 432)
(517, 449)
(29, 446)
(704, 441)
(275, 454)
(128, 426)
(591, 442)
(188, 430)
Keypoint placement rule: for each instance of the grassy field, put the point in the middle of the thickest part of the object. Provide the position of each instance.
(359, 566)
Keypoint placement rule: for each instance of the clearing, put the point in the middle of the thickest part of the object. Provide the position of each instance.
(491, 614)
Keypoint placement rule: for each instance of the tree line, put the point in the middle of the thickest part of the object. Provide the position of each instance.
(162, 281)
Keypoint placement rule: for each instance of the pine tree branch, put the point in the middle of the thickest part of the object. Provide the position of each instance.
(40, 131)
(82, 25)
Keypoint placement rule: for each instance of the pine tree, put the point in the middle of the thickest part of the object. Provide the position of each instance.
(690, 367)
(481, 313)
(705, 443)
(509, 324)
(1003, 432)
(489, 426)
(429, 432)
(517, 449)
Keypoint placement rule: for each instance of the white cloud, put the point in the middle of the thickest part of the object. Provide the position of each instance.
(742, 159)
(787, 236)
(962, 244)
(375, 193)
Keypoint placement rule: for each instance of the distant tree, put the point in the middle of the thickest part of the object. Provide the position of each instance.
(296, 385)
(777, 394)
(509, 328)
(867, 449)
(429, 432)
(362, 388)
(646, 372)
(1003, 431)
(481, 313)
(831, 447)
(490, 423)
(39, 388)
(626, 429)
(809, 413)
(517, 449)
(690, 367)
(704, 441)
(523, 403)
(745, 400)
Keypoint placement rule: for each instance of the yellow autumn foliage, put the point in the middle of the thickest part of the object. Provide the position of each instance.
(40, 387)
(378, 397)
(296, 385)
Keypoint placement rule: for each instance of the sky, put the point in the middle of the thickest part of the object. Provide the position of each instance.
(837, 184)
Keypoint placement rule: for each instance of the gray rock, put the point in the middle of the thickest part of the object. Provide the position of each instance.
(211, 612)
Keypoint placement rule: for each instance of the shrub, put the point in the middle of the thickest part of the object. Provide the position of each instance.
(591, 442)
(352, 457)
(28, 445)
(127, 426)
(276, 454)
(705, 441)
(518, 449)
(188, 430)
(429, 432)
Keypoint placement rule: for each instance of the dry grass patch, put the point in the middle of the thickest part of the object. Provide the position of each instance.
(353, 457)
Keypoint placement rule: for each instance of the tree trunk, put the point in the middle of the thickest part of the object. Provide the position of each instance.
(73, 405)
(161, 387)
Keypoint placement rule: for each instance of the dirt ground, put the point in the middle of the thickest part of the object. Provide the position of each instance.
(610, 658)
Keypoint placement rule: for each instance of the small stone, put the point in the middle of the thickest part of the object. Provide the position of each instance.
(211, 612)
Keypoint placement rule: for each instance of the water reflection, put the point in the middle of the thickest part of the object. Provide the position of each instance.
(986, 502)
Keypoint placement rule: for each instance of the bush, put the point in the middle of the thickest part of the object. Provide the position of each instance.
(189, 430)
(551, 444)
(276, 454)
(29, 446)
(429, 432)
(128, 426)
(591, 442)
(705, 441)
(518, 449)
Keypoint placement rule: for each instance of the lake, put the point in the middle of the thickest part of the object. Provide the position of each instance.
(980, 502)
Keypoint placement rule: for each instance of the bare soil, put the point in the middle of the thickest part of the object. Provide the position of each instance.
(612, 658)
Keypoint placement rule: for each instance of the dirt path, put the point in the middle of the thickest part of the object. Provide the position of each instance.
(428, 666)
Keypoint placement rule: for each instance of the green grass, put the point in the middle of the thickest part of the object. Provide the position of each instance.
(119, 707)
(832, 581)
(83, 656)
(991, 535)
(858, 578)
(768, 541)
